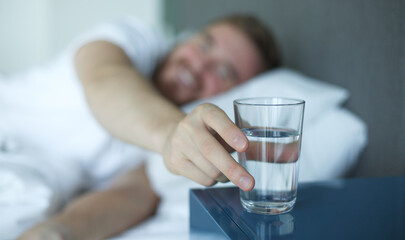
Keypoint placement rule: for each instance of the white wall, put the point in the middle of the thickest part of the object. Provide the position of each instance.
(32, 31)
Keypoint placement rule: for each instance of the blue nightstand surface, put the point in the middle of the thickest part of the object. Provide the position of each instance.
(371, 208)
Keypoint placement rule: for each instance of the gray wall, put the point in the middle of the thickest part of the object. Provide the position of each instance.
(359, 45)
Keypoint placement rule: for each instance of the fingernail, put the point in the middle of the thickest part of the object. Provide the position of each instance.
(239, 143)
(245, 183)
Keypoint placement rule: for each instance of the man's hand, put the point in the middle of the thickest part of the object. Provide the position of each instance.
(192, 150)
(48, 230)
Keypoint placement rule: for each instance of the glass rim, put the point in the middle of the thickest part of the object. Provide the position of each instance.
(247, 101)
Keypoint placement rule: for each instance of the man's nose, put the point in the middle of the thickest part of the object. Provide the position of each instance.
(201, 63)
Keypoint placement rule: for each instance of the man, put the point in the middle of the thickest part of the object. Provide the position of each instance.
(228, 52)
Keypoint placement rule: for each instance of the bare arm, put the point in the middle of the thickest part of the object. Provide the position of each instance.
(98, 215)
(122, 100)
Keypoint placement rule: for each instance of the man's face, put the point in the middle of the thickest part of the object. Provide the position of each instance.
(211, 62)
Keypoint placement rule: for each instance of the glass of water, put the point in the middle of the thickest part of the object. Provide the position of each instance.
(273, 127)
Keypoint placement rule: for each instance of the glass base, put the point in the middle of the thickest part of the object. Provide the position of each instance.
(268, 208)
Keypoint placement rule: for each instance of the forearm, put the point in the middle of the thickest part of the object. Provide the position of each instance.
(123, 101)
(103, 214)
(129, 108)
(99, 215)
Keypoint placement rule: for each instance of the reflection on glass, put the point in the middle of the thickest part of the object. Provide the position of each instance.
(275, 227)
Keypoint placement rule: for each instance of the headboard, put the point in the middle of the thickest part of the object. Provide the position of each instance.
(359, 45)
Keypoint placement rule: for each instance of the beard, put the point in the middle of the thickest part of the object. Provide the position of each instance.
(173, 79)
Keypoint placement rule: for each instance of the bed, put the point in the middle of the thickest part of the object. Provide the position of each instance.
(351, 52)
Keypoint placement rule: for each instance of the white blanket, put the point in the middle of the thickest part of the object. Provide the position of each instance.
(52, 147)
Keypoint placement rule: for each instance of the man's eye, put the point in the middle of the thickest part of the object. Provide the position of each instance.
(205, 48)
(222, 72)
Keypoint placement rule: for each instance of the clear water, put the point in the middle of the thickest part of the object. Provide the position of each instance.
(273, 159)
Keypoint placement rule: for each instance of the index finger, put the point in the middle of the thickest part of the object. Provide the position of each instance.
(213, 151)
(216, 118)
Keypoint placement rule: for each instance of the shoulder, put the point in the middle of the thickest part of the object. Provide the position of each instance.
(144, 45)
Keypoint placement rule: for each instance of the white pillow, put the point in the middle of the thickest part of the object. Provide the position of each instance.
(319, 96)
(333, 137)
(331, 145)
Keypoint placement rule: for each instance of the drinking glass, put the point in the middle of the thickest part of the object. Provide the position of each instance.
(273, 127)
